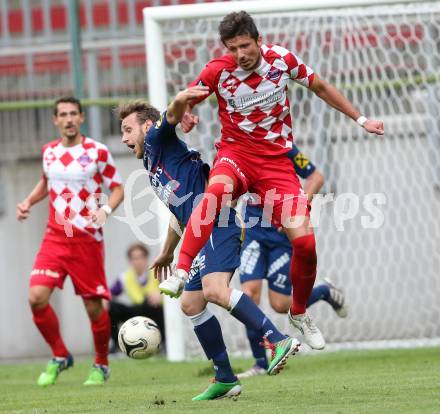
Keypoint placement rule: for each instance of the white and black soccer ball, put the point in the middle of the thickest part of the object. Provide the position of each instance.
(139, 337)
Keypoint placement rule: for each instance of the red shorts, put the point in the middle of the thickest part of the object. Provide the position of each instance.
(83, 262)
(273, 179)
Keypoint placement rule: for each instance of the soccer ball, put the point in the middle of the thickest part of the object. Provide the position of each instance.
(139, 337)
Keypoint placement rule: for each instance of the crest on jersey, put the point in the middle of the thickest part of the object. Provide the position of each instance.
(274, 74)
(84, 160)
(230, 84)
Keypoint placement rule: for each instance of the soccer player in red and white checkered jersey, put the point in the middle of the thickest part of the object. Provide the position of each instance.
(251, 85)
(75, 169)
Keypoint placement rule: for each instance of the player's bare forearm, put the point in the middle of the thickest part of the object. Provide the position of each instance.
(116, 197)
(39, 192)
(175, 111)
(174, 234)
(334, 98)
(313, 184)
(162, 264)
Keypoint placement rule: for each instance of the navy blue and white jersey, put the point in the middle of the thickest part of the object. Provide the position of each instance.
(263, 230)
(178, 177)
(177, 173)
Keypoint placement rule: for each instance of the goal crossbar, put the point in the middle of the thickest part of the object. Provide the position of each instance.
(153, 16)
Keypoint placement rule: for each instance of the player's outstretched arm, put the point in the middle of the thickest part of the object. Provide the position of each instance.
(162, 264)
(36, 195)
(334, 98)
(179, 106)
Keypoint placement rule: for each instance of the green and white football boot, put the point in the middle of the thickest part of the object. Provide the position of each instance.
(281, 350)
(53, 369)
(98, 375)
(218, 390)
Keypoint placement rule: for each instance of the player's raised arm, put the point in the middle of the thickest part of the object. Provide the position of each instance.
(36, 195)
(334, 98)
(183, 99)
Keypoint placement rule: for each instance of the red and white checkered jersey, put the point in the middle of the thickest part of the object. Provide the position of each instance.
(254, 108)
(75, 178)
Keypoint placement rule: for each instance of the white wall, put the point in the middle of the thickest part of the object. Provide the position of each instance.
(19, 242)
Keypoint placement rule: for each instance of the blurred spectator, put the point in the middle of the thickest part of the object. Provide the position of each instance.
(135, 293)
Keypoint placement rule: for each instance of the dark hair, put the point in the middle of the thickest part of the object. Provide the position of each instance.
(137, 246)
(143, 111)
(237, 24)
(67, 99)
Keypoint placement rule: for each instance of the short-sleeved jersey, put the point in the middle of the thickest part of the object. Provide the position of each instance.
(177, 173)
(75, 178)
(263, 230)
(254, 108)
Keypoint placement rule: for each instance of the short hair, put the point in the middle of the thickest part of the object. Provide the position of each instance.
(67, 99)
(137, 246)
(143, 110)
(237, 24)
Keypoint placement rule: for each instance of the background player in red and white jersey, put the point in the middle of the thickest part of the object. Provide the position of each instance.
(250, 83)
(75, 169)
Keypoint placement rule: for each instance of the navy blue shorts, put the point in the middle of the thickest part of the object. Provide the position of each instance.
(263, 259)
(220, 254)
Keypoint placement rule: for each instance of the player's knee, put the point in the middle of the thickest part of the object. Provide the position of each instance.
(38, 297)
(190, 309)
(192, 306)
(217, 296)
(281, 306)
(93, 307)
(254, 294)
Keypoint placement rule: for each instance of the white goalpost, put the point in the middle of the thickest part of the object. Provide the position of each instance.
(384, 56)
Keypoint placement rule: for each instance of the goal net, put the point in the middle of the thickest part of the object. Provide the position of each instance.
(386, 60)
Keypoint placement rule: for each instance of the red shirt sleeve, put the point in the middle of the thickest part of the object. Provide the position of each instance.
(299, 71)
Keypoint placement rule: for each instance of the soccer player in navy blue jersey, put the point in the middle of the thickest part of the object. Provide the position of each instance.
(179, 176)
(266, 254)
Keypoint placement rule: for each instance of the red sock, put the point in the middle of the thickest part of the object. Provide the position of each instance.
(101, 337)
(302, 272)
(47, 323)
(201, 223)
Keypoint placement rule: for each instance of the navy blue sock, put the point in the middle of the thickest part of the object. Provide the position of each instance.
(246, 311)
(320, 292)
(209, 334)
(258, 351)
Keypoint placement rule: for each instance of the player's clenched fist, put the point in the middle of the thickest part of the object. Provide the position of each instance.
(97, 217)
(23, 210)
(373, 126)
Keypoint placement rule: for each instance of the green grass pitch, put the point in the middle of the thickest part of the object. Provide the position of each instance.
(389, 381)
